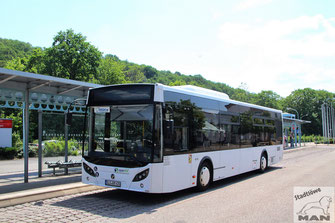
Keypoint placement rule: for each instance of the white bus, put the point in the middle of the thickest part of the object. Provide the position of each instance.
(158, 139)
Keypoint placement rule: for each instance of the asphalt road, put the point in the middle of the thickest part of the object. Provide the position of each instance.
(250, 197)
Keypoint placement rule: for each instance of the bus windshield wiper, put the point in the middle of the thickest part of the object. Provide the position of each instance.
(134, 159)
(131, 157)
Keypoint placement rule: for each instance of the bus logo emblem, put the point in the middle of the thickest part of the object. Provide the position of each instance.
(121, 171)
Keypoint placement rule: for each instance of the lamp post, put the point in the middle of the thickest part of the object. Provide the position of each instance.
(303, 116)
(295, 111)
(328, 120)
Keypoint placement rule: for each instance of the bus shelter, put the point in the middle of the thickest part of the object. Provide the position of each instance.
(292, 127)
(29, 91)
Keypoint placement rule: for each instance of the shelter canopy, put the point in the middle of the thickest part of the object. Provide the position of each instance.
(23, 90)
(19, 80)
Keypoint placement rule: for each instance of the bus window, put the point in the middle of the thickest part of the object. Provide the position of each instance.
(168, 130)
(158, 153)
(180, 120)
(247, 131)
(211, 130)
(123, 132)
(235, 137)
(230, 127)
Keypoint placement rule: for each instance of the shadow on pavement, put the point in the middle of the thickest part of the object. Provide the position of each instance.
(124, 204)
(14, 182)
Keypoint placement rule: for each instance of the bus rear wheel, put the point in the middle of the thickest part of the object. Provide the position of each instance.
(204, 176)
(263, 163)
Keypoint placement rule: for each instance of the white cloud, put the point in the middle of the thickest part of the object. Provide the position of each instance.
(283, 55)
(246, 4)
(278, 55)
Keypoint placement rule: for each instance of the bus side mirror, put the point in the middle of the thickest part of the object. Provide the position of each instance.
(68, 118)
(168, 126)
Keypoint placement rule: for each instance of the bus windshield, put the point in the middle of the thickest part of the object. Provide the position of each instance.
(121, 133)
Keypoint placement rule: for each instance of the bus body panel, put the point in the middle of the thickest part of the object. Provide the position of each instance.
(227, 163)
(120, 174)
(176, 173)
(231, 162)
(179, 172)
(156, 176)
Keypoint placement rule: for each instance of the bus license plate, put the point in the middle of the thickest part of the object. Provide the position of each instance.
(113, 183)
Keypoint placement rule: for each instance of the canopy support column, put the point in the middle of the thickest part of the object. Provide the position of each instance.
(66, 171)
(40, 143)
(26, 134)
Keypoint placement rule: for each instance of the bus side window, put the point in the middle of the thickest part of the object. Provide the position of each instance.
(168, 130)
(176, 129)
(181, 124)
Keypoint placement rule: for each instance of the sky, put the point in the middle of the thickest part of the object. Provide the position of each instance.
(278, 45)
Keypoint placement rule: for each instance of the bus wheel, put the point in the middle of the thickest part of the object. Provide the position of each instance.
(263, 163)
(204, 177)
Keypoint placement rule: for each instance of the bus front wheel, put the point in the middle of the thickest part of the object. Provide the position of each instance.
(204, 176)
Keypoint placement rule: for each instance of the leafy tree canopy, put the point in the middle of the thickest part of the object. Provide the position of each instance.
(308, 104)
(268, 99)
(10, 49)
(72, 57)
(110, 72)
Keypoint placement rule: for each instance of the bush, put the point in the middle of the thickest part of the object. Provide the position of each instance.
(32, 152)
(57, 148)
(316, 139)
(53, 148)
(310, 138)
(8, 153)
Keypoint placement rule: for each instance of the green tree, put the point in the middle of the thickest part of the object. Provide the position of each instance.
(177, 83)
(72, 57)
(33, 63)
(308, 103)
(110, 72)
(16, 64)
(149, 71)
(242, 95)
(134, 74)
(11, 49)
(268, 99)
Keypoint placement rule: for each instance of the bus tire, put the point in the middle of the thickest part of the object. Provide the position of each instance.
(204, 178)
(263, 162)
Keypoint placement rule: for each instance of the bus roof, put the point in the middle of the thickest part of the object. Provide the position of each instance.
(211, 94)
(195, 91)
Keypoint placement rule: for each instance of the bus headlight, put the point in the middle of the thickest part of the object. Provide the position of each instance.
(141, 176)
(88, 170)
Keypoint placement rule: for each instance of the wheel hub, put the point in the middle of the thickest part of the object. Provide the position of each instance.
(263, 163)
(204, 176)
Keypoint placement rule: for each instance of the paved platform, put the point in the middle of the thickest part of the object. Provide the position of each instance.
(14, 191)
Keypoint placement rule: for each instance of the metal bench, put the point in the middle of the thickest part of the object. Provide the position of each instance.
(62, 165)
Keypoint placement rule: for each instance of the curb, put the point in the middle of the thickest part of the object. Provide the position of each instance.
(46, 193)
(290, 150)
(295, 149)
